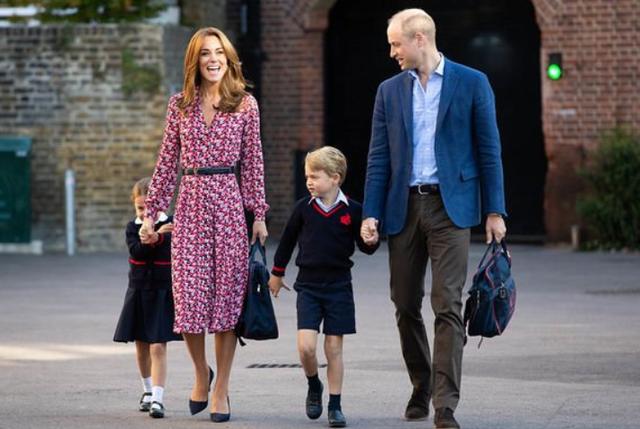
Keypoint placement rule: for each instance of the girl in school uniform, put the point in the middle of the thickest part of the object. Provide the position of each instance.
(147, 314)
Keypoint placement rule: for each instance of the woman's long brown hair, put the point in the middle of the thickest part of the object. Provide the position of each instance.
(232, 85)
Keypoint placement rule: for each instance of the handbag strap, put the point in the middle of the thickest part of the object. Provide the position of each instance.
(258, 247)
(495, 248)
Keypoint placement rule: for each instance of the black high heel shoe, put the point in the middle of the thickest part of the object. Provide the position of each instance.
(221, 417)
(196, 406)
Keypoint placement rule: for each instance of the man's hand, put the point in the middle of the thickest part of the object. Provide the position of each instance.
(495, 227)
(369, 231)
(275, 284)
(259, 232)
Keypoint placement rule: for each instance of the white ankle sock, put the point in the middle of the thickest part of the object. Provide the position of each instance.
(146, 384)
(157, 393)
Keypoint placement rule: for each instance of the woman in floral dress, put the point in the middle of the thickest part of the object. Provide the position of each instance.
(212, 123)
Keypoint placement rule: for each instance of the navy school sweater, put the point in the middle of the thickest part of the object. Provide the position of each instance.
(326, 241)
(149, 264)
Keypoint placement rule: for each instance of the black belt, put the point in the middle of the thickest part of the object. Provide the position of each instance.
(208, 171)
(425, 189)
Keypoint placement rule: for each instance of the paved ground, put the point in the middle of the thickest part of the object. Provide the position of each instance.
(570, 358)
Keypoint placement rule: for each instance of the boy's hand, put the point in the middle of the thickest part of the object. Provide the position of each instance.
(369, 231)
(167, 227)
(275, 284)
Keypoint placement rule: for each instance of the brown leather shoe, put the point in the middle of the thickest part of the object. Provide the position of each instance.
(417, 407)
(444, 419)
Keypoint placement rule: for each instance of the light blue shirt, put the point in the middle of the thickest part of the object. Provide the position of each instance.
(341, 198)
(426, 102)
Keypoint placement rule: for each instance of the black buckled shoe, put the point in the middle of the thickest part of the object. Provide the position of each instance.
(444, 419)
(417, 407)
(156, 410)
(313, 404)
(145, 405)
(337, 419)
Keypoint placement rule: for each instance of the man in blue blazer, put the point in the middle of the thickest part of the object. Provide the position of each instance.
(434, 170)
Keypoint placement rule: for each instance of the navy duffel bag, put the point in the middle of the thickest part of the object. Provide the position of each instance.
(492, 296)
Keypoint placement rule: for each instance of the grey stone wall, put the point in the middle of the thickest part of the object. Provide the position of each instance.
(65, 87)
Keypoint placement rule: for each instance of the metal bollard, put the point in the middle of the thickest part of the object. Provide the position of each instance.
(69, 193)
(575, 237)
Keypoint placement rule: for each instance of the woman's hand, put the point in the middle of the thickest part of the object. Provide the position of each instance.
(259, 232)
(146, 230)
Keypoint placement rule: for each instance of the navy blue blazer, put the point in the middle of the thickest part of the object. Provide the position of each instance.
(467, 150)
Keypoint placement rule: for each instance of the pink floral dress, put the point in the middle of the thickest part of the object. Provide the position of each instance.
(209, 248)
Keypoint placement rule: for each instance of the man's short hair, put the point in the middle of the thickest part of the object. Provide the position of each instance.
(414, 21)
(328, 159)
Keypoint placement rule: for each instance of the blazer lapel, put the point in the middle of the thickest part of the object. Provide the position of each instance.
(449, 84)
(406, 99)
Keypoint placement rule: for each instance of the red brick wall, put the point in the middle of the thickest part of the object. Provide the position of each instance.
(292, 96)
(599, 41)
(600, 44)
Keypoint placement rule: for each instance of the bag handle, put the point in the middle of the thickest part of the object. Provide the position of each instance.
(257, 246)
(494, 248)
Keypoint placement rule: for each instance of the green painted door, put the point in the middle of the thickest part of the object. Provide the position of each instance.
(15, 190)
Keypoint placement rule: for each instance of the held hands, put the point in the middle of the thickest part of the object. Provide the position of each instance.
(259, 232)
(166, 228)
(275, 284)
(369, 231)
(495, 227)
(146, 233)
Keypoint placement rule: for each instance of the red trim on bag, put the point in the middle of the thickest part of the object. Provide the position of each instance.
(278, 269)
(136, 262)
(493, 286)
(162, 262)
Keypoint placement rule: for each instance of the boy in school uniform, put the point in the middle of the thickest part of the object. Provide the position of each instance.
(326, 227)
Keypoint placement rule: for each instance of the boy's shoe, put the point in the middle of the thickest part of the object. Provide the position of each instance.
(337, 419)
(145, 405)
(313, 403)
(157, 410)
(444, 419)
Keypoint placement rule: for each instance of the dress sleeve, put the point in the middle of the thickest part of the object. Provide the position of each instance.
(164, 177)
(252, 164)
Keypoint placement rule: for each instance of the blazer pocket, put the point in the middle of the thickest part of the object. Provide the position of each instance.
(469, 172)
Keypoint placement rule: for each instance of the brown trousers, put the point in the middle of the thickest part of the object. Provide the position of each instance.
(429, 234)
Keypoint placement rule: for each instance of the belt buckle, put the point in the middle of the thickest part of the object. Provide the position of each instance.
(195, 171)
(420, 191)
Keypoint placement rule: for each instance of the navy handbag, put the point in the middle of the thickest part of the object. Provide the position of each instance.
(258, 320)
(492, 296)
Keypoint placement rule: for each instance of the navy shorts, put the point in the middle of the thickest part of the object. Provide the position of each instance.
(329, 303)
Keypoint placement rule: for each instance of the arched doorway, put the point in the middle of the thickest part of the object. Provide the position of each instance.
(498, 37)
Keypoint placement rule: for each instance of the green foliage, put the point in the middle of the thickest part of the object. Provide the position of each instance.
(90, 11)
(612, 207)
(138, 78)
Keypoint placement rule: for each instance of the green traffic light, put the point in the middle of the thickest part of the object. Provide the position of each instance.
(554, 71)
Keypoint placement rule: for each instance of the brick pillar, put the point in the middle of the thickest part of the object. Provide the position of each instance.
(292, 94)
